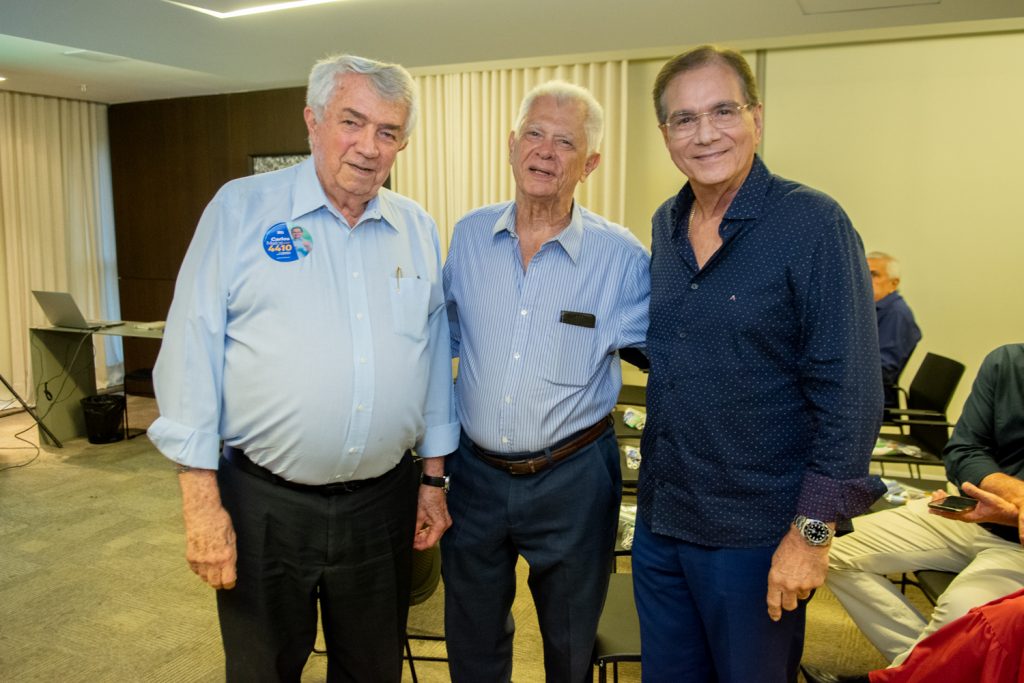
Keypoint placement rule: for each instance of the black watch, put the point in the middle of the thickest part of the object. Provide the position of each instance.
(814, 531)
(439, 482)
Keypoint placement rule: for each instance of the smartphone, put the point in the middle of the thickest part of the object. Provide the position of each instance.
(954, 504)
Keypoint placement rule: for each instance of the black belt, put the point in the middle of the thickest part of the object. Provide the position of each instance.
(538, 461)
(239, 459)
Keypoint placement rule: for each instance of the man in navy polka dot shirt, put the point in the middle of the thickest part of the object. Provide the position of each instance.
(764, 397)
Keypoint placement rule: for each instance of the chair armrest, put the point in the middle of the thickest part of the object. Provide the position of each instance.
(928, 423)
(915, 412)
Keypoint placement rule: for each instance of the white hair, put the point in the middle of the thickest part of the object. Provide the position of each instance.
(391, 81)
(892, 266)
(562, 91)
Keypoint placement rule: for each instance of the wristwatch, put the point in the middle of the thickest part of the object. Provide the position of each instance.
(814, 531)
(439, 482)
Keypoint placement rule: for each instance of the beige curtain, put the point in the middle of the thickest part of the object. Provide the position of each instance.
(56, 225)
(457, 158)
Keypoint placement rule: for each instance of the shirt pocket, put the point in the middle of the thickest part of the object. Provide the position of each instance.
(410, 306)
(571, 355)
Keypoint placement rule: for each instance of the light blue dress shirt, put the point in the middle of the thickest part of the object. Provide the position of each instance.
(526, 379)
(322, 367)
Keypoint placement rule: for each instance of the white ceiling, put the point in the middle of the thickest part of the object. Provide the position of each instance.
(150, 49)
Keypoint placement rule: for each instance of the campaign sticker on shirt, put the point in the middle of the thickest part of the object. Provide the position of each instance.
(284, 243)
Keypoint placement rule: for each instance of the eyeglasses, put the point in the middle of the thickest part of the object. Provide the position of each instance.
(685, 124)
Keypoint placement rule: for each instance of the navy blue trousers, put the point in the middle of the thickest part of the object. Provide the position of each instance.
(348, 553)
(704, 614)
(563, 521)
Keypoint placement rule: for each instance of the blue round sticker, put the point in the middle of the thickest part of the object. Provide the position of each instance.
(285, 243)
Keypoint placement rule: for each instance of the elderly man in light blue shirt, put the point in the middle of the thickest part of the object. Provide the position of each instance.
(541, 296)
(314, 497)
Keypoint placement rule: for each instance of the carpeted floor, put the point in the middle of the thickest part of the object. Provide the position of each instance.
(94, 587)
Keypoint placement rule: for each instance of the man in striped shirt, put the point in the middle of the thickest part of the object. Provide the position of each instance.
(541, 296)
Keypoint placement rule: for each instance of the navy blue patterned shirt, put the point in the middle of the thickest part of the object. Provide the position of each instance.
(765, 393)
(898, 335)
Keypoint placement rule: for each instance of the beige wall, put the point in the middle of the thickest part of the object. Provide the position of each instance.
(921, 142)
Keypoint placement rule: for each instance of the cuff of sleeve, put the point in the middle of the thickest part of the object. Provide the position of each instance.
(439, 440)
(185, 445)
(831, 500)
(973, 472)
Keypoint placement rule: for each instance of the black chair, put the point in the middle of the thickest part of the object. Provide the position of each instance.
(923, 423)
(633, 395)
(426, 575)
(930, 391)
(931, 582)
(618, 631)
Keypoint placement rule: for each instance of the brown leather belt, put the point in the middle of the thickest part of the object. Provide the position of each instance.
(239, 459)
(538, 461)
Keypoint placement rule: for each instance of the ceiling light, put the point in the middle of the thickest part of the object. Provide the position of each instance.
(93, 56)
(827, 6)
(3, 78)
(257, 9)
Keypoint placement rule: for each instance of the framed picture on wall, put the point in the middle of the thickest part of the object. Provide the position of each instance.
(262, 163)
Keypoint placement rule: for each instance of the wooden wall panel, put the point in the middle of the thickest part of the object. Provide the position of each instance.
(168, 159)
(266, 122)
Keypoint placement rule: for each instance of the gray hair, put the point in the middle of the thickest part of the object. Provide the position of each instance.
(391, 81)
(892, 266)
(562, 91)
(695, 59)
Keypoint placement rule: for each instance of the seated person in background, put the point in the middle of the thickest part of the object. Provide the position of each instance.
(898, 334)
(985, 455)
(983, 646)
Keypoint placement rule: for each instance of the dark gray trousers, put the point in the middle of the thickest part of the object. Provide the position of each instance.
(349, 553)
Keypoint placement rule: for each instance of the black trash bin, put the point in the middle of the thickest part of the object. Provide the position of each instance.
(103, 414)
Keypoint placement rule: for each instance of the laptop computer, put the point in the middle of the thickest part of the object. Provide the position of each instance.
(62, 311)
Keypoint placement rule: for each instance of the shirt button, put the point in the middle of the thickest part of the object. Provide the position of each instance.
(355, 275)
(508, 399)
(516, 355)
(504, 439)
(353, 450)
(337, 476)
(694, 286)
(359, 408)
(362, 360)
(522, 312)
(682, 335)
(359, 316)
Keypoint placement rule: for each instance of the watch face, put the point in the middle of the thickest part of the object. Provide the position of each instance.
(816, 533)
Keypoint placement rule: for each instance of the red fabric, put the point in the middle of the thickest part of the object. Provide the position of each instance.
(983, 646)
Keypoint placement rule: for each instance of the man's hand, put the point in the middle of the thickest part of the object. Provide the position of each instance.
(209, 535)
(432, 518)
(1010, 489)
(990, 507)
(797, 569)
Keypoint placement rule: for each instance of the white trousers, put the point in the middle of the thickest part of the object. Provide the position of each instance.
(908, 539)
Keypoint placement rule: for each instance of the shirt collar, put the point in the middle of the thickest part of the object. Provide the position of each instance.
(570, 238)
(747, 204)
(887, 300)
(309, 196)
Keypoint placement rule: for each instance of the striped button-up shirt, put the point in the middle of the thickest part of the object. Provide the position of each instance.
(537, 348)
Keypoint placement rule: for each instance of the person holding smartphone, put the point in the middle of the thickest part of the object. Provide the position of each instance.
(980, 541)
